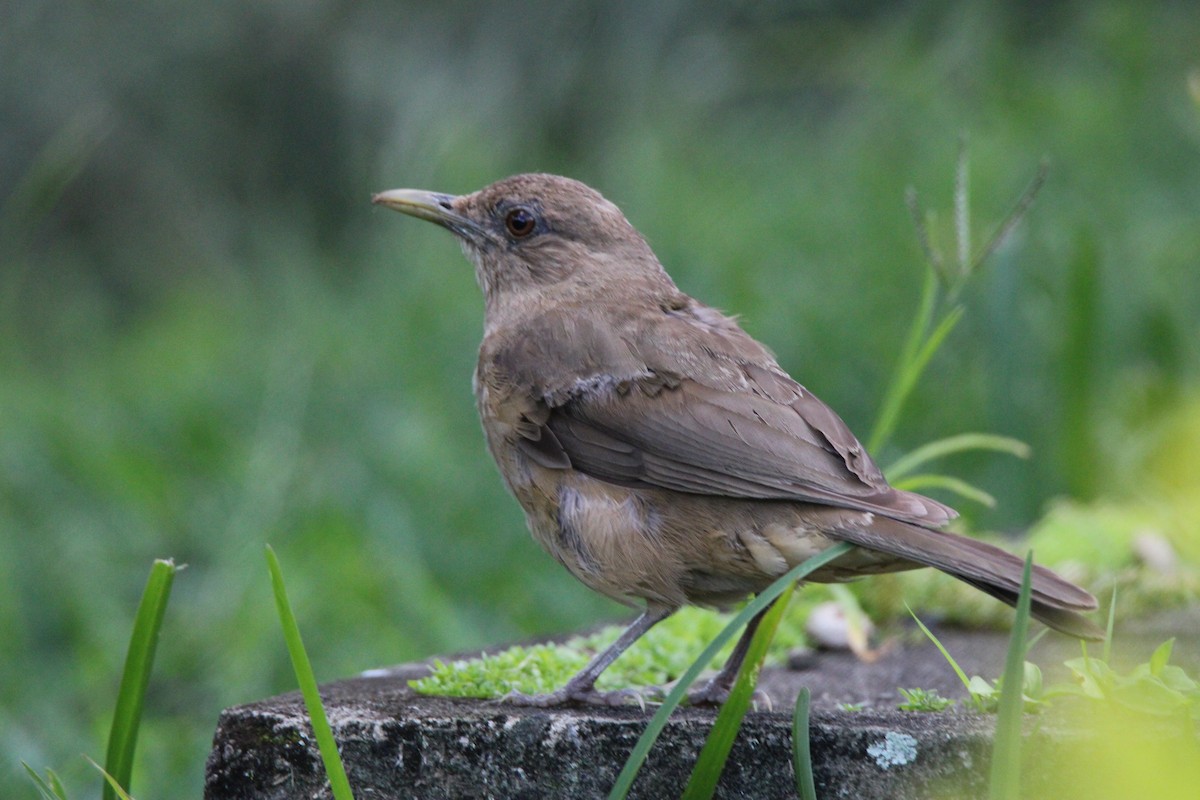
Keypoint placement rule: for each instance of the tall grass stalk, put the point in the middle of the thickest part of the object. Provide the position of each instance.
(139, 662)
(802, 748)
(334, 769)
(1005, 782)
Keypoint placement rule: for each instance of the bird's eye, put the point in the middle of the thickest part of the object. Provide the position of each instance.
(520, 222)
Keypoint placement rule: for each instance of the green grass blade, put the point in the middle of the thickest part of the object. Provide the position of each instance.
(334, 769)
(899, 385)
(56, 784)
(111, 782)
(139, 661)
(806, 788)
(1005, 783)
(936, 337)
(955, 444)
(703, 781)
(909, 373)
(960, 487)
(962, 676)
(640, 750)
(50, 788)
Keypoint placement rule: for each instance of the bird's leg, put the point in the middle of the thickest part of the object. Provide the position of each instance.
(582, 687)
(716, 690)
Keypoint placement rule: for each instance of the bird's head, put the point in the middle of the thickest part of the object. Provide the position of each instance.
(535, 231)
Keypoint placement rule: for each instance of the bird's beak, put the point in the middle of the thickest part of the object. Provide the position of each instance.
(431, 206)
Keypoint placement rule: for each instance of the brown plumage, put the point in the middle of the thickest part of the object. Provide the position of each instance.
(660, 453)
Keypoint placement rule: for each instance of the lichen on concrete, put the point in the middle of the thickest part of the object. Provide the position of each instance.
(893, 750)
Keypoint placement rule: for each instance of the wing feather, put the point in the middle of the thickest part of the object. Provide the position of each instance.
(752, 442)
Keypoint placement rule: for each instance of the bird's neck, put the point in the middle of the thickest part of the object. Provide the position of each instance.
(515, 306)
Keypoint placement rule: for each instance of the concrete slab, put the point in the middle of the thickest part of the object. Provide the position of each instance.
(399, 744)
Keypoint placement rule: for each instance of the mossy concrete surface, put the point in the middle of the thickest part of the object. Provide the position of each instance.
(398, 744)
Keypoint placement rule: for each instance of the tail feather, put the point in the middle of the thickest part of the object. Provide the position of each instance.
(1060, 619)
(1054, 600)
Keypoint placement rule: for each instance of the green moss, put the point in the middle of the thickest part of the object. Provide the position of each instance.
(657, 658)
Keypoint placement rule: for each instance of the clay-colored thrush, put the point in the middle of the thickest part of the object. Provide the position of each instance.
(660, 453)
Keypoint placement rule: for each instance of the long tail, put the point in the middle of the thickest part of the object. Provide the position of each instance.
(1054, 600)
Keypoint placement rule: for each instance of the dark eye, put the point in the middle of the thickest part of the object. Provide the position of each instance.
(520, 222)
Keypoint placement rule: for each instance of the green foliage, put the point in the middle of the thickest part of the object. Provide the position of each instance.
(927, 700)
(1154, 687)
(1123, 751)
(985, 694)
(1141, 731)
(1126, 752)
(50, 787)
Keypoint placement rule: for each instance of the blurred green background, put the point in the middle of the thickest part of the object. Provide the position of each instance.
(210, 340)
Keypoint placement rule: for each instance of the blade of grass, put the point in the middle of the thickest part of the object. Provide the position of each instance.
(640, 750)
(1106, 654)
(711, 763)
(962, 676)
(139, 661)
(1005, 783)
(909, 372)
(893, 398)
(931, 345)
(50, 788)
(949, 483)
(955, 444)
(801, 748)
(111, 781)
(339, 784)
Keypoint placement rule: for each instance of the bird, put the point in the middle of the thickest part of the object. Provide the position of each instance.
(659, 452)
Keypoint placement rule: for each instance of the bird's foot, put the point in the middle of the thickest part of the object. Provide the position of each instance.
(572, 696)
(715, 693)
